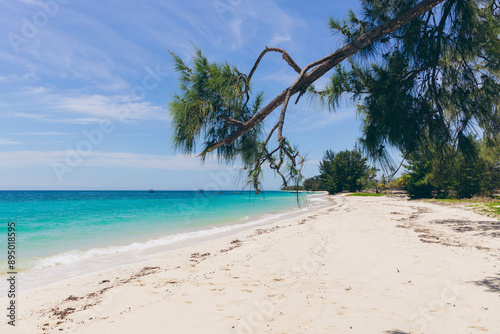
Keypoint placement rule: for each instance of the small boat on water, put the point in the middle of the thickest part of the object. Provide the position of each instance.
(151, 191)
(201, 191)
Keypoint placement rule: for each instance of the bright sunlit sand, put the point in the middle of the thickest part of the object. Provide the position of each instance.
(359, 265)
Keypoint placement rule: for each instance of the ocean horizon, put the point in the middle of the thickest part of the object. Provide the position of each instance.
(66, 233)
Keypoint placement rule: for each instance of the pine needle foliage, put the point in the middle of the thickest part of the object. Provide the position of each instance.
(214, 100)
(431, 83)
(343, 170)
(462, 175)
(423, 73)
(209, 93)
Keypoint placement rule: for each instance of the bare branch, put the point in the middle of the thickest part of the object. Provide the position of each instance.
(282, 177)
(259, 157)
(282, 116)
(270, 134)
(400, 165)
(286, 57)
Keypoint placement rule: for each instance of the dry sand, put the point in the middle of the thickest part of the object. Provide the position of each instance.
(360, 265)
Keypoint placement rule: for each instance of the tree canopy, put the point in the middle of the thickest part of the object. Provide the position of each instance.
(460, 175)
(314, 184)
(429, 84)
(423, 75)
(343, 170)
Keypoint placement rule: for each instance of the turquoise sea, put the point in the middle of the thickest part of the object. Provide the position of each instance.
(67, 229)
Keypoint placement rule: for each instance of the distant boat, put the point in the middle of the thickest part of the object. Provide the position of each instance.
(220, 192)
(151, 190)
(201, 191)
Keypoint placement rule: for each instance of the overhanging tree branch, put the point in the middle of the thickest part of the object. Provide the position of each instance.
(322, 66)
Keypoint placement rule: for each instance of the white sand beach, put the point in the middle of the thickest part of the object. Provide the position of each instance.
(359, 265)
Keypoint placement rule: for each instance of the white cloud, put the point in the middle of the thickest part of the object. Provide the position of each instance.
(227, 25)
(25, 159)
(29, 2)
(24, 115)
(48, 133)
(267, 15)
(8, 142)
(278, 39)
(236, 29)
(77, 120)
(324, 119)
(59, 108)
(113, 107)
(300, 120)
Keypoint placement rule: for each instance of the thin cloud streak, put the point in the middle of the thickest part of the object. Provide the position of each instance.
(317, 119)
(50, 107)
(25, 159)
(50, 133)
(8, 142)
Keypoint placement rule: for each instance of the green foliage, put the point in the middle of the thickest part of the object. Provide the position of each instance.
(210, 92)
(368, 180)
(366, 194)
(402, 181)
(314, 184)
(418, 182)
(423, 89)
(343, 170)
(431, 83)
(293, 188)
(454, 173)
(484, 205)
(216, 100)
(494, 208)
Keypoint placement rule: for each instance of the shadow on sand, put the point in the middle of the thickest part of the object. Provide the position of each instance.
(492, 283)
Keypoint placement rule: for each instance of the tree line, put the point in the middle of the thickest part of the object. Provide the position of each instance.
(462, 176)
(343, 171)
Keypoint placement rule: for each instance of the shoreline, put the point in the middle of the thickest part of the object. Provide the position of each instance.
(358, 265)
(143, 251)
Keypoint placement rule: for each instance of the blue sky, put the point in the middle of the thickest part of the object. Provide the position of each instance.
(85, 87)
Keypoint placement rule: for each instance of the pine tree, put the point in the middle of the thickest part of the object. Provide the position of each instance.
(461, 175)
(423, 74)
(343, 171)
(428, 84)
